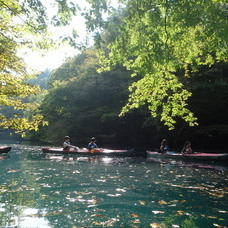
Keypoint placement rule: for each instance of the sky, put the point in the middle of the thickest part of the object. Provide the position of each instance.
(54, 58)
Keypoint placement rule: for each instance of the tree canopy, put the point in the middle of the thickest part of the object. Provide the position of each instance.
(23, 25)
(162, 42)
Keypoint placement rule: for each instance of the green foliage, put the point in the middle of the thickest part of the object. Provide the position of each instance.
(85, 102)
(23, 24)
(158, 39)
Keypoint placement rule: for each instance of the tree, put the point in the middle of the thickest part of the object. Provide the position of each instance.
(24, 24)
(161, 42)
(83, 102)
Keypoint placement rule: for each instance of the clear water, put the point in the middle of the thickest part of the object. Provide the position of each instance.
(38, 190)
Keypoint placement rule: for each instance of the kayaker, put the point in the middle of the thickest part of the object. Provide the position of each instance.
(187, 148)
(92, 144)
(67, 145)
(164, 146)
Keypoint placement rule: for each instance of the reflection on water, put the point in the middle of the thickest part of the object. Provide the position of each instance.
(40, 190)
(218, 165)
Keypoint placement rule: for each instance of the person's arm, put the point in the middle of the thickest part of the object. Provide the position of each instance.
(89, 146)
(65, 145)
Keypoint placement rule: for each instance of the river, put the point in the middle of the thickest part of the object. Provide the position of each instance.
(40, 190)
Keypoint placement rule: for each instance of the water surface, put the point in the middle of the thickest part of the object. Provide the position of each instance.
(40, 190)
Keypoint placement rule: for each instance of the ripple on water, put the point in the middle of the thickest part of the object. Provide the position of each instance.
(67, 191)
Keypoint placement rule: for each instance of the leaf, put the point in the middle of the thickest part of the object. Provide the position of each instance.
(97, 223)
(136, 221)
(162, 202)
(158, 212)
(155, 225)
(97, 215)
(212, 217)
(219, 226)
(13, 171)
(180, 212)
(142, 202)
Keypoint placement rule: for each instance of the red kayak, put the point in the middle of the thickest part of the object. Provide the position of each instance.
(4, 149)
(84, 151)
(196, 155)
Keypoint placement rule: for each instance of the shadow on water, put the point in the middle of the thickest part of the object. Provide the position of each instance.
(218, 165)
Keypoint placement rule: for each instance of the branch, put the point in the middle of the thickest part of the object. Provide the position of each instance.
(18, 14)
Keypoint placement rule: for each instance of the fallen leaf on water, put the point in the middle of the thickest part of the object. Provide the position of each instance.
(76, 171)
(100, 209)
(180, 212)
(155, 225)
(136, 221)
(92, 205)
(120, 190)
(134, 215)
(158, 212)
(212, 217)
(97, 215)
(12, 171)
(112, 195)
(219, 226)
(97, 223)
(142, 202)
(161, 202)
(223, 211)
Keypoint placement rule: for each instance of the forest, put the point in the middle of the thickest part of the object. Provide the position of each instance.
(156, 69)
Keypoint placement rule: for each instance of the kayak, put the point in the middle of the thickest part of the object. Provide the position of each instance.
(84, 151)
(195, 155)
(5, 149)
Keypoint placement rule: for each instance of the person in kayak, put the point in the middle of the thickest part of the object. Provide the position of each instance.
(187, 148)
(164, 146)
(67, 145)
(92, 144)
